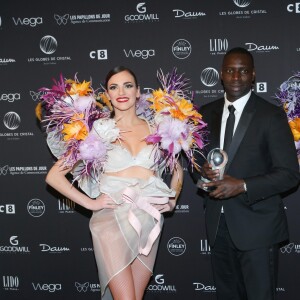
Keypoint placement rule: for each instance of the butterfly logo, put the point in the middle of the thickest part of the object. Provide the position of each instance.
(82, 287)
(61, 19)
(288, 248)
(3, 170)
(35, 95)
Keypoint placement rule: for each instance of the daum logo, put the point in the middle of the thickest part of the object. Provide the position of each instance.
(48, 44)
(11, 120)
(209, 77)
(242, 3)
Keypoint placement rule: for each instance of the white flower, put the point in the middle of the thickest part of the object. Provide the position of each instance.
(70, 99)
(83, 102)
(106, 129)
(159, 117)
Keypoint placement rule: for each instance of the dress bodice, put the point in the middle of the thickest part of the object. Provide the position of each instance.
(119, 158)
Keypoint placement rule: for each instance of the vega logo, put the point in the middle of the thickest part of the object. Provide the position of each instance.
(144, 54)
(10, 97)
(47, 287)
(28, 21)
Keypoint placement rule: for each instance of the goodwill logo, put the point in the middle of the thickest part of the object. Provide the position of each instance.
(142, 15)
(14, 247)
(160, 286)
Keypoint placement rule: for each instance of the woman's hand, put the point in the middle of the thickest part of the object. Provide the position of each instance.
(166, 207)
(103, 201)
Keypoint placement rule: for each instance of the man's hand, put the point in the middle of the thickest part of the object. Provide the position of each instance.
(226, 188)
(209, 173)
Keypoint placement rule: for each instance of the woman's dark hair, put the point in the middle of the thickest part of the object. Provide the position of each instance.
(117, 70)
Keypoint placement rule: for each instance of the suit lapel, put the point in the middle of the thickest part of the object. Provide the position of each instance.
(241, 129)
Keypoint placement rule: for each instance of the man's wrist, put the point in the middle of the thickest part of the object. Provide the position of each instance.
(245, 187)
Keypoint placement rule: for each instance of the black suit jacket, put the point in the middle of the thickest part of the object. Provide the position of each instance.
(262, 153)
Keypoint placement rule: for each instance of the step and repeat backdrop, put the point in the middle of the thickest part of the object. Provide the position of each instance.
(45, 244)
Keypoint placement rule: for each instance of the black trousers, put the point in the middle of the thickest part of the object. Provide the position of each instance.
(243, 275)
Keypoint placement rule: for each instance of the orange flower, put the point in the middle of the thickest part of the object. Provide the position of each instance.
(185, 110)
(158, 100)
(80, 88)
(103, 97)
(76, 130)
(295, 127)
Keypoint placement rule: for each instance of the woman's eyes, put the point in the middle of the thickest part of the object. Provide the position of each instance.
(126, 86)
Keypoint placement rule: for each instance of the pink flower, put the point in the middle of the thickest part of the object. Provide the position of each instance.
(92, 148)
(174, 135)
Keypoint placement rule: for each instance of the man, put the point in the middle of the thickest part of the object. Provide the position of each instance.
(245, 218)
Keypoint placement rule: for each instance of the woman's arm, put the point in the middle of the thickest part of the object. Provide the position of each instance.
(56, 178)
(176, 184)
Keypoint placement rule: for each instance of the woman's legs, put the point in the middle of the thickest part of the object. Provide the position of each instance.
(130, 283)
(141, 276)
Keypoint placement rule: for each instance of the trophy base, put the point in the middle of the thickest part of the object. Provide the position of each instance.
(200, 183)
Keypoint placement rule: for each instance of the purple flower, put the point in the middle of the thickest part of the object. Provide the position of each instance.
(92, 148)
(174, 135)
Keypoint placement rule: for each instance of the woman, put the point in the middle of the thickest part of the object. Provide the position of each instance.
(127, 219)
